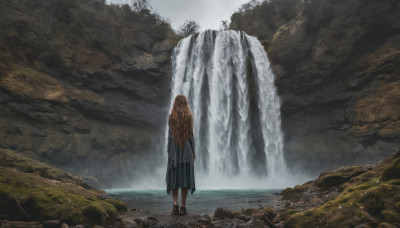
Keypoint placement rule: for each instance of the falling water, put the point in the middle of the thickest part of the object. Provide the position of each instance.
(227, 79)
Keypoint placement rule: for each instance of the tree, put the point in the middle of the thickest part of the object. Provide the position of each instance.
(224, 25)
(249, 5)
(188, 28)
(141, 6)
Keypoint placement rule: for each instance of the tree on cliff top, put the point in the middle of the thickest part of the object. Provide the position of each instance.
(141, 6)
(224, 25)
(188, 28)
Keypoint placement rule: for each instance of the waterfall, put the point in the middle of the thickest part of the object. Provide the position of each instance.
(227, 79)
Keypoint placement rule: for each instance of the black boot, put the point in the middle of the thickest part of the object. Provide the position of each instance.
(175, 210)
(182, 211)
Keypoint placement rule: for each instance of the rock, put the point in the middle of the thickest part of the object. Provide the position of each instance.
(64, 225)
(152, 218)
(145, 222)
(129, 223)
(315, 201)
(204, 220)
(98, 100)
(20, 224)
(338, 98)
(191, 220)
(362, 201)
(222, 213)
(392, 171)
(51, 224)
(255, 223)
(150, 223)
(263, 217)
(337, 177)
(41, 186)
(243, 217)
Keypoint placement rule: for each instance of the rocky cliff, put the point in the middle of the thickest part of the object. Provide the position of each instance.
(337, 73)
(83, 85)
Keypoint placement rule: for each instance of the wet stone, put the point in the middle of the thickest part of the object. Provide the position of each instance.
(64, 225)
(51, 224)
(129, 223)
(222, 213)
(19, 224)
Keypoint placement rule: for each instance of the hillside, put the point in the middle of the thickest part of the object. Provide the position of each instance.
(83, 85)
(337, 73)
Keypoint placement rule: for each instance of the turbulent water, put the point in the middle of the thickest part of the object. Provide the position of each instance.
(227, 79)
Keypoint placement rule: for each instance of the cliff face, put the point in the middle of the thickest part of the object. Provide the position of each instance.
(337, 73)
(83, 85)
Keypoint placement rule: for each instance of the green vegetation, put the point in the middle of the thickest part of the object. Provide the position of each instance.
(264, 19)
(59, 61)
(188, 28)
(11, 159)
(30, 190)
(363, 199)
(120, 206)
(311, 36)
(337, 177)
(393, 171)
(44, 27)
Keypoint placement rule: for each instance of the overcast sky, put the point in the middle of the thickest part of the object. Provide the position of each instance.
(208, 13)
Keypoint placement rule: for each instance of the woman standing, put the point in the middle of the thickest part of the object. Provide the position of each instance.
(181, 154)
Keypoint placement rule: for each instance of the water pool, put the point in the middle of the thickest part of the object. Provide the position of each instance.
(201, 202)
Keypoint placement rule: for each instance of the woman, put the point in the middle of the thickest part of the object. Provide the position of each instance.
(181, 154)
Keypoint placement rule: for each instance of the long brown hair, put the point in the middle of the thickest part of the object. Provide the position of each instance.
(180, 120)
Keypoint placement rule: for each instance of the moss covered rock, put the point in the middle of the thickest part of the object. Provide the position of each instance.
(120, 206)
(9, 158)
(337, 177)
(363, 199)
(393, 171)
(27, 194)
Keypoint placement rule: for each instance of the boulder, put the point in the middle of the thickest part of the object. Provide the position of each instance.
(222, 213)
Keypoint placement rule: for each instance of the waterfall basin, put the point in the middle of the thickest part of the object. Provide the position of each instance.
(202, 202)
